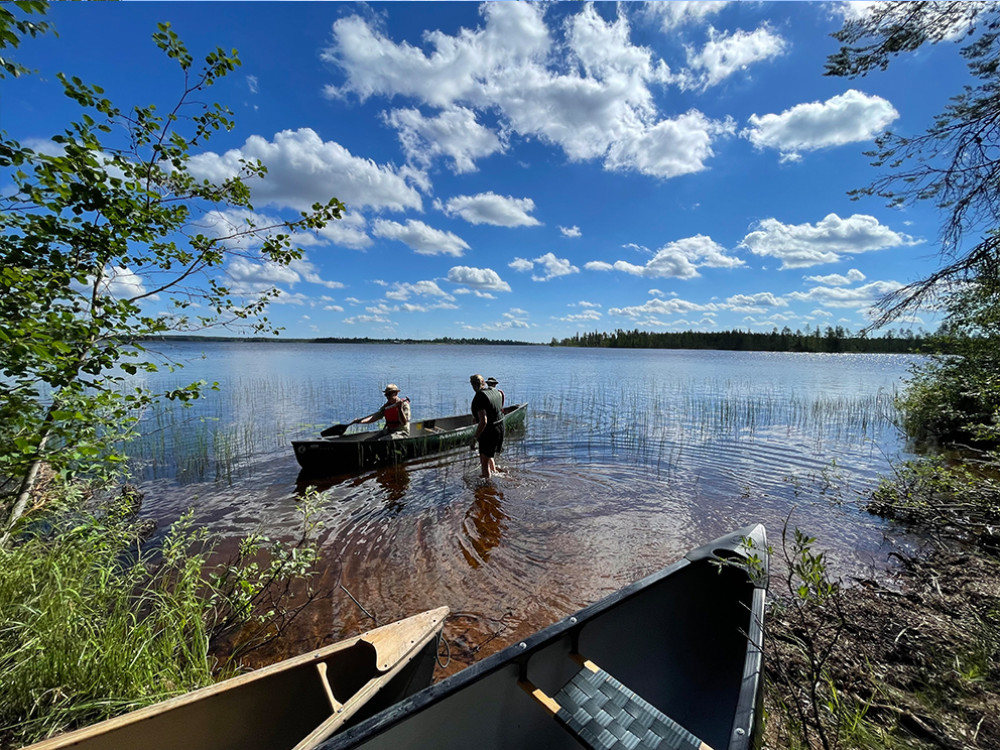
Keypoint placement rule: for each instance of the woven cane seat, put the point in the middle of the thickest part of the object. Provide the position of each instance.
(604, 714)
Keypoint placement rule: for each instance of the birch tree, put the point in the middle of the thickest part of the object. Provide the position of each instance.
(100, 222)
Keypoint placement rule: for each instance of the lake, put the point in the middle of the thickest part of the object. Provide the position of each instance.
(628, 459)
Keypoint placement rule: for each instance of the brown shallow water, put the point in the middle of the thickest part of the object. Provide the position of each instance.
(514, 554)
(626, 462)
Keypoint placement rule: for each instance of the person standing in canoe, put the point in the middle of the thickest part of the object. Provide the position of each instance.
(395, 411)
(487, 409)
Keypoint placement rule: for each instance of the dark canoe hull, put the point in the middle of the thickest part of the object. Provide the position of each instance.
(286, 705)
(333, 455)
(687, 639)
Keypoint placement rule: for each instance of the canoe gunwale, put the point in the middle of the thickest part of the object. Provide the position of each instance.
(746, 727)
(389, 660)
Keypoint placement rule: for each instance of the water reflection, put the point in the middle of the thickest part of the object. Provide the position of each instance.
(626, 463)
(392, 483)
(484, 526)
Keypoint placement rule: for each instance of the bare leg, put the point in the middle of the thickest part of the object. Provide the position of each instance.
(484, 462)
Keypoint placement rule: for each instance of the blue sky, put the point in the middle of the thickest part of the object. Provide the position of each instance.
(530, 171)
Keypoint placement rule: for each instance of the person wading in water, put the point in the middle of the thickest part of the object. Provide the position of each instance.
(487, 410)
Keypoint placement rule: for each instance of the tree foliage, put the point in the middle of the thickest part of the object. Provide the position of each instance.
(101, 222)
(15, 26)
(955, 163)
(955, 398)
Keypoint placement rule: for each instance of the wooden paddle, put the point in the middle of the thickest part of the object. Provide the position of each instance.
(335, 430)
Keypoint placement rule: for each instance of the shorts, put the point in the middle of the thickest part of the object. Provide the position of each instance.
(491, 441)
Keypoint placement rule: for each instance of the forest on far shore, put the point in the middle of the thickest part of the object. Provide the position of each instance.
(901, 341)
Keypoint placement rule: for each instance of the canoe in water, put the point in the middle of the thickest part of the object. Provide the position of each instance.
(671, 661)
(343, 453)
(296, 703)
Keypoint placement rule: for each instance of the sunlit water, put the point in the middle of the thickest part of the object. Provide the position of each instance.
(627, 460)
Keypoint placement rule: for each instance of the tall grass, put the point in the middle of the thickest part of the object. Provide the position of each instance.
(221, 436)
(655, 429)
(87, 631)
(92, 626)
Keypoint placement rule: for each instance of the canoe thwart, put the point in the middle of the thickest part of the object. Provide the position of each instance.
(603, 714)
(335, 705)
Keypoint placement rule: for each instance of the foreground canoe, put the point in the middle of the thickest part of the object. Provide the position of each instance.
(296, 703)
(357, 451)
(672, 661)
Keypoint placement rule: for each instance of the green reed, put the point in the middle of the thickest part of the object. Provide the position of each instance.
(221, 435)
(653, 428)
(93, 623)
(217, 437)
(86, 632)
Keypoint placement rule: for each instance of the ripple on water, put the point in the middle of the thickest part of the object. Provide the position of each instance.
(550, 535)
(511, 555)
(625, 462)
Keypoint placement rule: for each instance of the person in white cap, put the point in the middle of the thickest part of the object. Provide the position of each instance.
(396, 413)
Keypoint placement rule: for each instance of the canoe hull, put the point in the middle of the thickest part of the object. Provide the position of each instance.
(355, 452)
(285, 705)
(687, 639)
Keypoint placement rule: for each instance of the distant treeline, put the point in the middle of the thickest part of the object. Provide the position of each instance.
(831, 340)
(332, 340)
(440, 340)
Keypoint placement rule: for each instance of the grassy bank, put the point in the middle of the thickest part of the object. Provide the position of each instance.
(93, 625)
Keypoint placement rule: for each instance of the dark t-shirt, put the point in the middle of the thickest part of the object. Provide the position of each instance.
(487, 400)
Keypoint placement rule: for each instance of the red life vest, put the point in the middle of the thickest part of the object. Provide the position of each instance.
(394, 413)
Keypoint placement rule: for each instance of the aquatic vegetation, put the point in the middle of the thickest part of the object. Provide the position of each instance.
(221, 437)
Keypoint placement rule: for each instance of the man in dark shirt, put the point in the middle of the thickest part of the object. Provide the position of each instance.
(487, 409)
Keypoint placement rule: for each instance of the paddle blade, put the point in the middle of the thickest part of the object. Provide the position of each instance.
(335, 430)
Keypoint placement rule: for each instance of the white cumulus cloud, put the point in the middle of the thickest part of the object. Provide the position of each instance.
(662, 307)
(123, 283)
(847, 118)
(249, 276)
(725, 54)
(679, 259)
(761, 299)
(401, 291)
(521, 264)
(835, 279)
(454, 134)
(599, 107)
(856, 297)
(550, 264)
(348, 231)
(420, 237)
(678, 12)
(490, 208)
(481, 279)
(303, 169)
(827, 241)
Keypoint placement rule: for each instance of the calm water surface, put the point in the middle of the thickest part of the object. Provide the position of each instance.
(627, 460)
